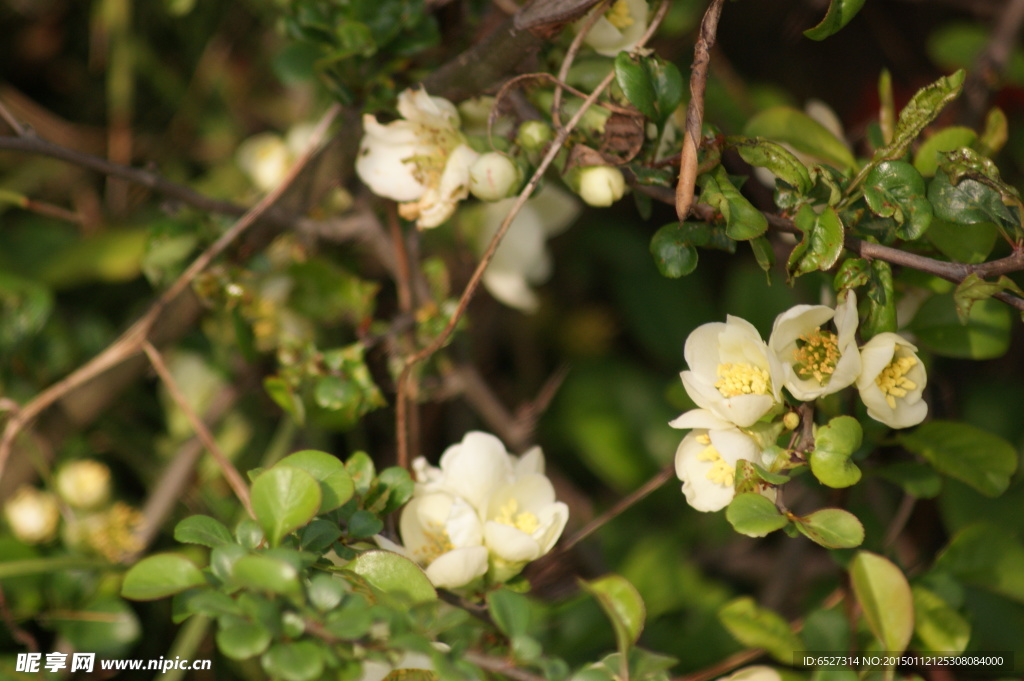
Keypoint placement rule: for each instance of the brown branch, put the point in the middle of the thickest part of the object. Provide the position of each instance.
(499, 665)
(695, 110)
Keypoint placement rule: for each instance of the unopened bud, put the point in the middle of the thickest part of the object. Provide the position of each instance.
(601, 186)
(533, 135)
(494, 176)
(32, 515)
(791, 420)
(84, 484)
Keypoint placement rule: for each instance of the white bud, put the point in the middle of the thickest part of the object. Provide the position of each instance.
(84, 484)
(533, 135)
(32, 515)
(494, 176)
(601, 186)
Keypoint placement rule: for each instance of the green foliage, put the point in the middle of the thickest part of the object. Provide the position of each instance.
(758, 627)
(981, 459)
(886, 599)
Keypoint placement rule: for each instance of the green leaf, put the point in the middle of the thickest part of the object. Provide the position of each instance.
(987, 556)
(632, 77)
(764, 254)
(879, 305)
(833, 445)
(668, 86)
(923, 108)
(977, 457)
(202, 530)
(204, 601)
(853, 273)
(803, 133)
(282, 393)
(763, 153)
(159, 576)
(832, 528)
(325, 592)
(926, 160)
(969, 244)
(390, 490)
(242, 640)
(973, 288)
(336, 486)
(938, 626)
(319, 535)
(754, 515)
(884, 596)
(821, 244)
(622, 604)
(248, 533)
(394, 574)
(360, 468)
(968, 202)
(284, 499)
(223, 559)
(364, 524)
(263, 573)
(916, 478)
(896, 189)
(296, 661)
(742, 220)
(937, 327)
(757, 627)
(839, 14)
(510, 611)
(106, 625)
(673, 251)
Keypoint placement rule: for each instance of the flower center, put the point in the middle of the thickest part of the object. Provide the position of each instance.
(741, 379)
(816, 355)
(619, 16)
(437, 543)
(720, 472)
(893, 380)
(525, 521)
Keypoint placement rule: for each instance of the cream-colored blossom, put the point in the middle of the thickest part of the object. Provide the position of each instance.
(422, 160)
(731, 372)
(32, 515)
(443, 534)
(84, 484)
(619, 28)
(601, 186)
(892, 381)
(706, 459)
(494, 176)
(817, 360)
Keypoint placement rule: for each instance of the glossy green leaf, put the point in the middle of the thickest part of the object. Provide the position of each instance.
(202, 530)
(938, 626)
(821, 244)
(668, 86)
(336, 486)
(937, 327)
(989, 557)
(763, 153)
(896, 189)
(833, 445)
(241, 639)
(969, 244)
(673, 250)
(852, 273)
(885, 598)
(394, 574)
(754, 515)
(977, 457)
(832, 528)
(757, 627)
(742, 220)
(263, 573)
(840, 12)
(878, 307)
(803, 133)
(926, 160)
(284, 499)
(973, 289)
(968, 202)
(923, 108)
(223, 559)
(159, 576)
(295, 661)
(248, 533)
(622, 604)
(390, 490)
(632, 77)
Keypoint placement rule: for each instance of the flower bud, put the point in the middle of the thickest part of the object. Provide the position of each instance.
(533, 135)
(84, 484)
(494, 176)
(32, 515)
(791, 420)
(601, 186)
(265, 159)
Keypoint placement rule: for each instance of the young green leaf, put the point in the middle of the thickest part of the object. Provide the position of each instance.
(754, 515)
(923, 108)
(336, 486)
(821, 244)
(803, 133)
(757, 627)
(284, 499)
(673, 250)
(832, 528)
(973, 288)
(884, 596)
(840, 12)
(633, 78)
(394, 574)
(159, 576)
(938, 626)
(263, 573)
(833, 445)
(622, 603)
(763, 153)
(202, 530)
(896, 189)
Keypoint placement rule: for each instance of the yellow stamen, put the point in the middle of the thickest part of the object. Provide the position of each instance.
(720, 473)
(437, 544)
(525, 521)
(619, 16)
(742, 379)
(816, 355)
(893, 380)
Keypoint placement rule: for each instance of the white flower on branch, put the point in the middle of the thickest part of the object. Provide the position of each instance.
(619, 28)
(422, 160)
(32, 515)
(892, 381)
(443, 533)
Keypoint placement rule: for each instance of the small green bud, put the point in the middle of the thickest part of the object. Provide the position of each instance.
(533, 135)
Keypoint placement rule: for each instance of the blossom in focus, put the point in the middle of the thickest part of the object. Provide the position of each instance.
(444, 535)
(83, 484)
(892, 381)
(731, 372)
(522, 260)
(706, 459)
(421, 161)
(619, 28)
(32, 515)
(817, 361)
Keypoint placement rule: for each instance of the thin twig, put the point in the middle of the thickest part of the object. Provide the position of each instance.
(12, 120)
(695, 109)
(570, 57)
(231, 474)
(467, 295)
(900, 519)
(500, 665)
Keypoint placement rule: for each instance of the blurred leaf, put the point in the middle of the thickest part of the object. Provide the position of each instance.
(754, 515)
(987, 556)
(319, 535)
(284, 499)
(826, 630)
(833, 445)
(240, 640)
(107, 626)
(394, 574)
(832, 528)
(25, 305)
(295, 661)
(673, 249)
(939, 627)
(224, 557)
(763, 153)
(336, 484)
(973, 288)
(510, 611)
(202, 530)
(392, 488)
(977, 457)
(325, 592)
(285, 397)
(995, 134)
(917, 479)
(885, 597)
(622, 603)
(364, 524)
(937, 326)
(926, 160)
(757, 627)
(896, 189)
(264, 573)
(360, 468)
(113, 256)
(969, 244)
(803, 133)
(821, 243)
(159, 576)
(840, 12)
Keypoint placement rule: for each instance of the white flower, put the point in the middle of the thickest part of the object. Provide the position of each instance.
(421, 161)
(523, 520)
(265, 158)
(815, 361)
(601, 186)
(732, 373)
(522, 259)
(84, 484)
(32, 515)
(443, 533)
(706, 459)
(620, 28)
(494, 176)
(892, 381)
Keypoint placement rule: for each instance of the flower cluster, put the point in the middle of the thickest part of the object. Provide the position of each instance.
(481, 512)
(736, 380)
